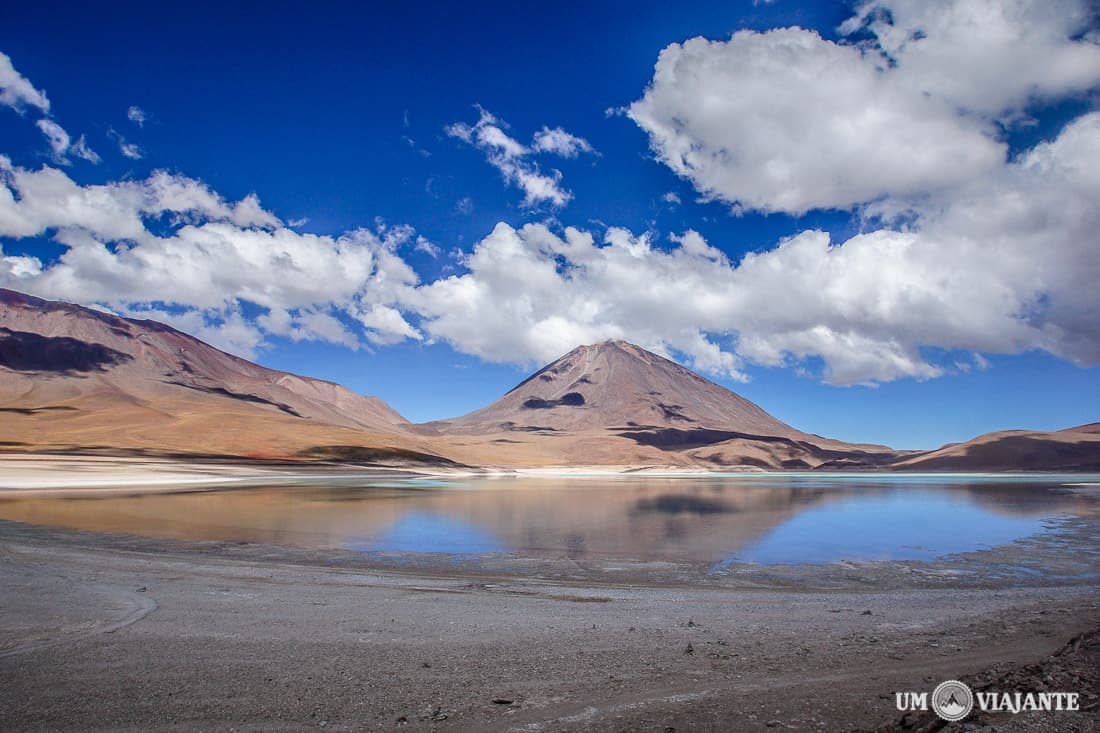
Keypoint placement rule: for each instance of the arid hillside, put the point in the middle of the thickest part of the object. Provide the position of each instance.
(73, 379)
(77, 380)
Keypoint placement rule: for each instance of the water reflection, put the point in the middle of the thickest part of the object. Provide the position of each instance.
(424, 532)
(871, 528)
(763, 519)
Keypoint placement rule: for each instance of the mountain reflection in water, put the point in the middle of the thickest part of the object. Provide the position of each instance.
(794, 518)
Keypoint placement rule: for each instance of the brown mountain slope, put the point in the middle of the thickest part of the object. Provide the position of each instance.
(73, 378)
(1092, 427)
(616, 385)
(616, 403)
(56, 340)
(1013, 450)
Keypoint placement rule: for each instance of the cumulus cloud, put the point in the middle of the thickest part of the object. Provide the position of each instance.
(16, 91)
(214, 256)
(993, 255)
(517, 302)
(986, 57)
(786, 121)
(1005, 264)
(513, 159)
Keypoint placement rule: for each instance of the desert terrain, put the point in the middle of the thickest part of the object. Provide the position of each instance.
(108, 632)
(105, 630)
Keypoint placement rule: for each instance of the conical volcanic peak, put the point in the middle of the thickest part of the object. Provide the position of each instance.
(617, 384)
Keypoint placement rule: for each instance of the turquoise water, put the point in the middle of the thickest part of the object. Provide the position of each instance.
(718, 520)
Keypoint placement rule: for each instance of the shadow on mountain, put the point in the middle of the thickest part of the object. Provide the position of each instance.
(678, 439)
(36, 410)
(572, 399)
(22, 351)
(239, 396)
(1021, 452)
(367, 455)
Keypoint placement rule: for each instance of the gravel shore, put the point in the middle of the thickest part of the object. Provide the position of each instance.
(98, 634)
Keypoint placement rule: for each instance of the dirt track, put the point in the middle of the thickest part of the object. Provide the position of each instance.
(93, 636)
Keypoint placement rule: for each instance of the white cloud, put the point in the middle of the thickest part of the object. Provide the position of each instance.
(427, 247)
(671, 198)
(512, 158)
(985, 56)
(1004, 264)
(560, 142)
(81, 150)
(61, 144)
(215, 256)
(228, 329)
(16, 92)
(787, 121)
(995, 256)
(128, 149)
(309, 324)
(136, 115)
(517, 304)
(56, 137)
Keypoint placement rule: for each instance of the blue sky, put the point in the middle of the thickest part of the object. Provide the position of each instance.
(875, 219)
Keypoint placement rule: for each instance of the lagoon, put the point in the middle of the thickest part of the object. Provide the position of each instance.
(717, 520)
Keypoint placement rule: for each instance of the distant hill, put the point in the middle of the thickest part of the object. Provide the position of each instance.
(1074, 449)
(1092, 427)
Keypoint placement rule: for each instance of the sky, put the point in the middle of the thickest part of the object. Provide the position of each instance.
(877, 219)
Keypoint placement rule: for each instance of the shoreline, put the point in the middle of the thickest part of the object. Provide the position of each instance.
(104, 634)
(37, 474)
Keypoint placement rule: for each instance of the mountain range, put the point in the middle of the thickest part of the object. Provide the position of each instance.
(78, 380)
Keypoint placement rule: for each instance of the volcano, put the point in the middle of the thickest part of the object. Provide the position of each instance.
(617, 403)
(617, 384)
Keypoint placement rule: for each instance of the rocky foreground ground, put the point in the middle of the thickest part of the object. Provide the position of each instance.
(99, 634)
